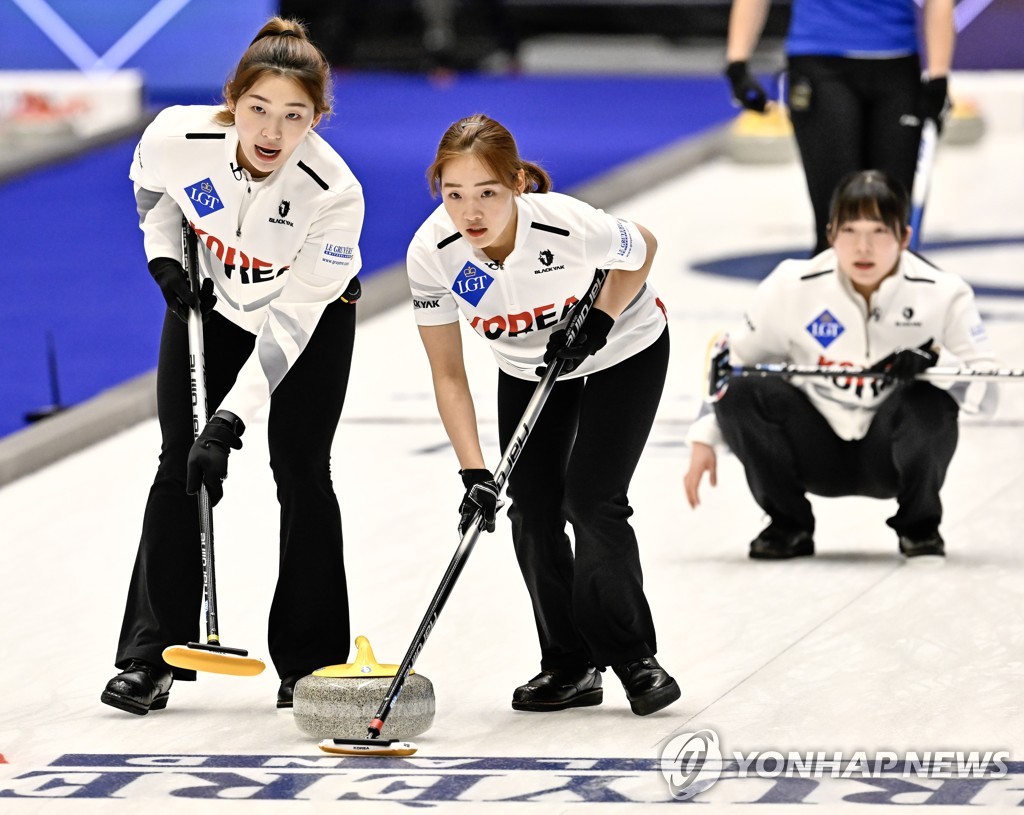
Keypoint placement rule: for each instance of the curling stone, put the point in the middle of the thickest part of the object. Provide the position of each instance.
(340, 701)
(762, 138)
(964, 125)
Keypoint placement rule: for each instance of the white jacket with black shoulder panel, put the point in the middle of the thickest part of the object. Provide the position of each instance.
(278, 250)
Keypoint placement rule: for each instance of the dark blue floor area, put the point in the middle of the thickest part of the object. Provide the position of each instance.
(74, 258)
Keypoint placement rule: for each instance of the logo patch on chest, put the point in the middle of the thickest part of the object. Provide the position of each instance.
(825, 328)
(472, 283)
(204, 197)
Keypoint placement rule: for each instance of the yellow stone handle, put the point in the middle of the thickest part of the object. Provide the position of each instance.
(366, 664)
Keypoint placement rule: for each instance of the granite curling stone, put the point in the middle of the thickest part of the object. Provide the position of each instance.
(762, 138)
(965, 124)
(340, 701)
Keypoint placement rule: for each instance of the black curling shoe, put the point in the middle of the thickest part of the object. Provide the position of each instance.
(286, 692)
(775, 543)
(559, 689)
(932, 545)
(139, 688)
(648, 686)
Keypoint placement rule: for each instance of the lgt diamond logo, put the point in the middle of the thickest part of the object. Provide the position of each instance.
(472, 283)
(204, 197)
(825, 328)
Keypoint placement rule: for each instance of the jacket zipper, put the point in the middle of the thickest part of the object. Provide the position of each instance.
(246, 201)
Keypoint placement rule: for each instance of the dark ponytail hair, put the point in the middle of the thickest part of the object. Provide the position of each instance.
(873, 196)
(282, 48)
(492, 143)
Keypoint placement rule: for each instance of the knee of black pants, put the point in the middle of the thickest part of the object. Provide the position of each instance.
(739, 398)
(590, 504)
(294, 465)
(533, 504)
(927, 414)
(752, 399)
(173, 464)
(932, 403)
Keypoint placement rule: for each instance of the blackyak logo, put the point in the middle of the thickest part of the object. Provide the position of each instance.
(908, 318)
(547, 260)
(282, 210)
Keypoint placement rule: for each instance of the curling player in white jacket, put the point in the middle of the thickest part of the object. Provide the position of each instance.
(512, 258)
(866, 302)
(278, 216)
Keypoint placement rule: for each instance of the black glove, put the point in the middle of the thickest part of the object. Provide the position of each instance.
(933, 101)
(170, 277)
(591, 338)
(208, 458)
(904, 364)
(352, 292)
(481, 494)
(746, 90)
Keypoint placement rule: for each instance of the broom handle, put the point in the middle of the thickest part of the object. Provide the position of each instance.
(941, 374)
(922, 180)
(200, 415)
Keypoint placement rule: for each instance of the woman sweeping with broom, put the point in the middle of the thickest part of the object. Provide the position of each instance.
(512, 258)
(278, 216)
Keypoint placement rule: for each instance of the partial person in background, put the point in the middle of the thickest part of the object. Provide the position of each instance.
(512, 258)
(354, 33)
(440, 33)
(866, 300)
(856, 95)
(334, 27)
(278, 216)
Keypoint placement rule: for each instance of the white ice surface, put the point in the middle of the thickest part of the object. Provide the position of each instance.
(851, 650)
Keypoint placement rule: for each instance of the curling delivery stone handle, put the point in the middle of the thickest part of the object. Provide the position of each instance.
(365, 665)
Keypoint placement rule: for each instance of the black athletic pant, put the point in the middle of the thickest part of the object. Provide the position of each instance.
(308, 626)
(576, 466)
(847, 116)
(788, 449)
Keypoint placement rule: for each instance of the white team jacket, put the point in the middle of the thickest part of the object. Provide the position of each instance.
(560, 241)
(806, 312)
(279, 250)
